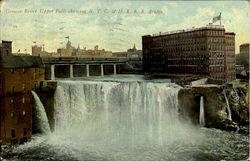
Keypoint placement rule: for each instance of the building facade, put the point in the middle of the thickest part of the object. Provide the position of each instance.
(198, 52)
(243, 57)
(18, 76)
(131, 53)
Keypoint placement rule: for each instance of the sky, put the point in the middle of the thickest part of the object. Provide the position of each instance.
(112, 25)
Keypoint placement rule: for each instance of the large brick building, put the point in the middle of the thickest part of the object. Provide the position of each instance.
(18, 76)
(198, 52)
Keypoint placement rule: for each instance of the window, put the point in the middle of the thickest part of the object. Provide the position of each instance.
(13, 133)
(12, 114)
(23, 100)
(12, 89)
(12, 101)
(12, 70)
(25, 131)
(24, 70)
(24, 88)
(24, 113)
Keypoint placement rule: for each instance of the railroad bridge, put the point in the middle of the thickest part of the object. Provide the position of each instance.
(70, 67)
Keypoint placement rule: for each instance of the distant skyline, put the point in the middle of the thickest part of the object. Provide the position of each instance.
(112, 25)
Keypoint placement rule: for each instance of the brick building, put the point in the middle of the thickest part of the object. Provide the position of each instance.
(18, 76)
(198, 52)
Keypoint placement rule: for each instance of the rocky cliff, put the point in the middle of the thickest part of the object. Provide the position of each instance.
(216, 106)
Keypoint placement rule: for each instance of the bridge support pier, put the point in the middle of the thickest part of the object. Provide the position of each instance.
(87, 70)
(52, 69)
(71, 71)
(102, 72)
(114, 69)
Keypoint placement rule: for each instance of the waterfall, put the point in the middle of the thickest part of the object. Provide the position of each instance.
(228, 106)
(117, 112)
(236, 96)
(202, 116)
(41, 114)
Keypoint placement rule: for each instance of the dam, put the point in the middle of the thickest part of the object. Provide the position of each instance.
(124, 117)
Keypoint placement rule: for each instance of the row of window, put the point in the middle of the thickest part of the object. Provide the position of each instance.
(216, 47)
(218, 76)
(24, 70)
(12, 114)
(156, 69)
(230, 48)
(190, 48)
(191, 34)
(232, 74)
(216, 54)
(180, 42)
(185, 62)
(13, 88)
(185, 48)
(156, 62)
(216, 69)
(231, 67)
(230, 54)
(34, 85)
(216, 40)
(215, 62)
(228, 60)
(12, 101)
(13, 132)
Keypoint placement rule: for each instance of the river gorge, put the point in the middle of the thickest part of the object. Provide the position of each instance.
(133, 117)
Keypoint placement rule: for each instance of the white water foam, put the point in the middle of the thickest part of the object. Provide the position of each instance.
(41, 114)
(116, 118)
(202, 114)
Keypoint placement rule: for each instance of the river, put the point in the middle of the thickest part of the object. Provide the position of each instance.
(126, 118)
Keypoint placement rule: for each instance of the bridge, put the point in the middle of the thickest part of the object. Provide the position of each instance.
(70, 67)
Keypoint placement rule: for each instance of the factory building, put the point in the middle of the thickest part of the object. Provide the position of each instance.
(18, 76)
(198, 52)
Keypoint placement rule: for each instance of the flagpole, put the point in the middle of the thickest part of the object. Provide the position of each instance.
(220, 18)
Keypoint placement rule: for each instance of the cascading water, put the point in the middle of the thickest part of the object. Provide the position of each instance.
(117, 118)
(43, 123)
(228, 106)
(125, 118)
(236, 96)
(202, 116)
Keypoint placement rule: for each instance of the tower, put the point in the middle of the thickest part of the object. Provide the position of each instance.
(68, 45)
(6, 49)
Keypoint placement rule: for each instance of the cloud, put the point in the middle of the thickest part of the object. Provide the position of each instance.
(115, 31)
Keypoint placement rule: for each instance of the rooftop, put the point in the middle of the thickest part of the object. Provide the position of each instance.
(21, 62)
(245, 44)
(209, 26)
